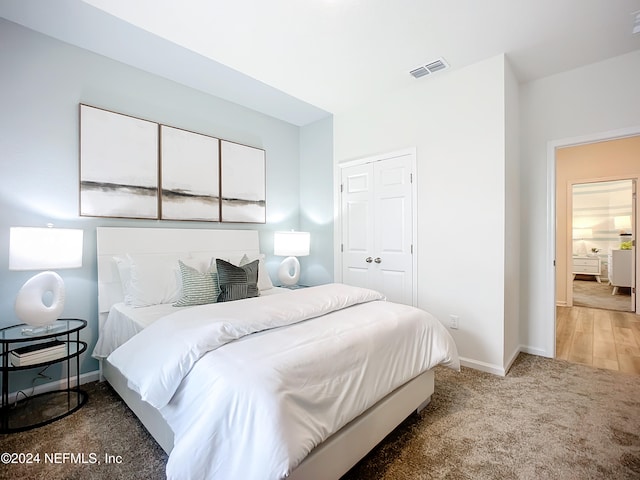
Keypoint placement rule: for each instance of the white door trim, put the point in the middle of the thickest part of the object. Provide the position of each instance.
(412, 152)
(549, 312)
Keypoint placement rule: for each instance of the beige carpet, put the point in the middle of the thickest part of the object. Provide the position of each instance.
(547, 419)
(589, 293)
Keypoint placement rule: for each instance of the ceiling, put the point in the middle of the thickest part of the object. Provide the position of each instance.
(300, 60)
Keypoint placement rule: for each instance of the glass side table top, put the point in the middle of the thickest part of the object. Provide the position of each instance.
(25, 333)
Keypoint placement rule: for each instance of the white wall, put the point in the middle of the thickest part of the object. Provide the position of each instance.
(456, 120)
(512, 214)
(585, 102)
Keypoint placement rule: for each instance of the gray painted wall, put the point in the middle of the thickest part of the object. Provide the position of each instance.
(43, 80)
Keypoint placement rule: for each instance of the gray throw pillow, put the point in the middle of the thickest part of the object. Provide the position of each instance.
(237, 283)
(197, 288)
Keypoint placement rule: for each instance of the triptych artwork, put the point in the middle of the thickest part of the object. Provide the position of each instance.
(134, 168)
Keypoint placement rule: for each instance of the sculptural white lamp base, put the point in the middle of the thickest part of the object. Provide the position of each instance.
(289, 271)
(290, 245)
(40, 301)
(32, 305)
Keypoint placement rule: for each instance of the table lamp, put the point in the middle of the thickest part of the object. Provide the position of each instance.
(33, 248)
(582, 234)
(290, 245)
(622, 223)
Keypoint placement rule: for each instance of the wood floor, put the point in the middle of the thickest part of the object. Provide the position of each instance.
(601, 338)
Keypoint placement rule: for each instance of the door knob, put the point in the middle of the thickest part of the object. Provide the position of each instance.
(368, 259)
(378, 260)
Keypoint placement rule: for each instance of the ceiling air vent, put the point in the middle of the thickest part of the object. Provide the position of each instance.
(429, 68)
(419, 72)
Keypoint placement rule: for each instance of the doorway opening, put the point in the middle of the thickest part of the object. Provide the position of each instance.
(601, 225)
(576, 333)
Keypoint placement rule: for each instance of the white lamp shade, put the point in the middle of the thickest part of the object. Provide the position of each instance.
(291, 244)
(33, 248)
(622, 222)
(582, 233)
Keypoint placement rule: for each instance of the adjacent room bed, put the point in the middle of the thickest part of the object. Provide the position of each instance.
(236, 378)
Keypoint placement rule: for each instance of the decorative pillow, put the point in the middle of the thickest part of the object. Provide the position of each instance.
(198, 288)
(264, 281)
(149, 279)
(202, 261)
(237, 283)
(124, 270)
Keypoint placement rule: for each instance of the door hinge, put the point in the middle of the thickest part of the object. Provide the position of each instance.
(341, 247)
(411, 178)
(341, 187)
(412, 249)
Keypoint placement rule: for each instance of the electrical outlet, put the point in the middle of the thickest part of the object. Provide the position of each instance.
(453, 321)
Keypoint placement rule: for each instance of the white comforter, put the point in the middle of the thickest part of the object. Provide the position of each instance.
(251, 387)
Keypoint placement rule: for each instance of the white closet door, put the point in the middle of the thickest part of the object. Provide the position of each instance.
(392, 229)
(377, 227)
(357, 225)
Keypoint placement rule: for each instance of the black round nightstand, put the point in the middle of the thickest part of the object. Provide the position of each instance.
(58, 343)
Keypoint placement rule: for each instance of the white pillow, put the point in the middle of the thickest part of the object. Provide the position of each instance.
(149, 279)
(124, 270)
(206, 261)
(201, 262)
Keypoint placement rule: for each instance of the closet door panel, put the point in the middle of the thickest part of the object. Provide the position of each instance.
(376, 210)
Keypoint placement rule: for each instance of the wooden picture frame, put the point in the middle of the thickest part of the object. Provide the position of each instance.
(190, 175)
(243, 183)
(118, 165)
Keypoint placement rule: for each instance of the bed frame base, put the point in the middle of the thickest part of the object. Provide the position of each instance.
(340, 452)
(336, 455)
(149, 416)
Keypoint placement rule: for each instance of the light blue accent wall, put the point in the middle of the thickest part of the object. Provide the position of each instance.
(43, 80)
(316, 200)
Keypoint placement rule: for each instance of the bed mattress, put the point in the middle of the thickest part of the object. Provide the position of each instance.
(275, 387)
(125, 321)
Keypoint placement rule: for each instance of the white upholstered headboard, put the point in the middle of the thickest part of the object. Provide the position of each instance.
(113, 241)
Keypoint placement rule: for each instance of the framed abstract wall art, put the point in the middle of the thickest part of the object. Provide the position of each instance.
(243, 183)
(118, 165)
(190, 181)
(134, 168)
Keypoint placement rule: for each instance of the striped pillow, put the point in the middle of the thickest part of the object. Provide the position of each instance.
(237, 283)
(197, 288)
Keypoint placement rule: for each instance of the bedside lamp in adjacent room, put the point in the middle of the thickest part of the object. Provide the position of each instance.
(581, 234)
(290, 245)
(33, 248)
(623, 225)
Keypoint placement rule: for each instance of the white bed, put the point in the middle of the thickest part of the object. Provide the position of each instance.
(334, 456)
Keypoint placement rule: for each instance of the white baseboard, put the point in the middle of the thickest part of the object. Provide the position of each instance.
(56, 385)
(535, 351)
(497, 369)
(482, 366)
(512, 359)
